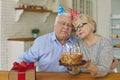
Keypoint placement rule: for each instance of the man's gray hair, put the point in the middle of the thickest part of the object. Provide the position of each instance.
(57, 17)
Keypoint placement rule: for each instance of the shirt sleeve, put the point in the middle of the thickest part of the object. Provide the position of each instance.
(32, 54)
(105, 59)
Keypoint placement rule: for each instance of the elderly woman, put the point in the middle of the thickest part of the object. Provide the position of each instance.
(96, 50)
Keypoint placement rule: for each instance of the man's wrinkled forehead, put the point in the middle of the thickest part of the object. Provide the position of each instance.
(64, 17)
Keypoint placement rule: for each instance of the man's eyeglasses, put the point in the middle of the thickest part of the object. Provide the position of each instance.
(63, 24)
(79, 26)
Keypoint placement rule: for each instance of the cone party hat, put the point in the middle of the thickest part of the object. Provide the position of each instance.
(73, 13)
(60, 9)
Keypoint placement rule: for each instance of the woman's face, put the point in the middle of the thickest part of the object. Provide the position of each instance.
(82, 29)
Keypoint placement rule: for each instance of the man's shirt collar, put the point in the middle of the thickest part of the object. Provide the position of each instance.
(54, 38)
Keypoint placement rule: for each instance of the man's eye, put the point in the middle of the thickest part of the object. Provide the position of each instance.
(62, 23)
(69, 25)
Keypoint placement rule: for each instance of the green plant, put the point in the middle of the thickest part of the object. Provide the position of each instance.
(35, 30)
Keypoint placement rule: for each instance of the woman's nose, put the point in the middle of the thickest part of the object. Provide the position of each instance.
(66, 27)
(79, 29)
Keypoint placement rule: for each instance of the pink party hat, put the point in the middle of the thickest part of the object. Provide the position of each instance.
(73, 13)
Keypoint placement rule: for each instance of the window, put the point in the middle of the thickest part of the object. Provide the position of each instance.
(83, 6)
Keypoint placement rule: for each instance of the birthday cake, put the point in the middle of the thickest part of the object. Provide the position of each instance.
(68, 59)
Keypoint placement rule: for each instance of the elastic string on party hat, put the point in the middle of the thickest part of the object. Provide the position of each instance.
(73, 13)
(60, 9)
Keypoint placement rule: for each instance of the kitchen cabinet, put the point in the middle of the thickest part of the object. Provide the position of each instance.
(33, 10)
(48, 6)
(115, 29)
(19, 11)
(81, 6)
(16, 47)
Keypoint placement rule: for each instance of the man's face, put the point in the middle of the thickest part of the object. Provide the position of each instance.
(63, 27)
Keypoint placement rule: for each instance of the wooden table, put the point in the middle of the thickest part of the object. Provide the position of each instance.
(65, 76)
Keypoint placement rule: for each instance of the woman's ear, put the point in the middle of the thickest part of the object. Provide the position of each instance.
(94, 31)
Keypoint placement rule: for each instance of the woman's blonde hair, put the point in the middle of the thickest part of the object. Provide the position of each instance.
(86, 19)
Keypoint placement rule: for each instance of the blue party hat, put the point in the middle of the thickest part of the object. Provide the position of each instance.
(60, 9)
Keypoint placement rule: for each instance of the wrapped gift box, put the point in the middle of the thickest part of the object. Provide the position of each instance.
(22, 71)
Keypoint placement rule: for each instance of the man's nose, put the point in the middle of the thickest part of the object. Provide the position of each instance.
(66, 26)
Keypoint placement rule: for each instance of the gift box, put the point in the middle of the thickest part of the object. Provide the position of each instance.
(22, 71)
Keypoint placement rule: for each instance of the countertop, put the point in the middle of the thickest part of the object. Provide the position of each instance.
(65, 76)
(22, 39)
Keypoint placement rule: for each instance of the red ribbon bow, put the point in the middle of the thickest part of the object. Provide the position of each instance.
(23, 66)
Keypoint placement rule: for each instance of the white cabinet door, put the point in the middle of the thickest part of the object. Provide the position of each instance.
(15, 49)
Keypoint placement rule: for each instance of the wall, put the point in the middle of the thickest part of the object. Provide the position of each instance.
(22, 28)
(103, 17)
(0, 34)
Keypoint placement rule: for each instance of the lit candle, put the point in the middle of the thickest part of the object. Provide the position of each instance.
(68, 47)
(78, 49)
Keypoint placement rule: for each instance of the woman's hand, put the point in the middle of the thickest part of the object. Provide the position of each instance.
(85, 66)
(90, 67)
(115, 63)
(76, 69)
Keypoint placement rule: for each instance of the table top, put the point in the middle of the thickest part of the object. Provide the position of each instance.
(65, 76)
(22, 39)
